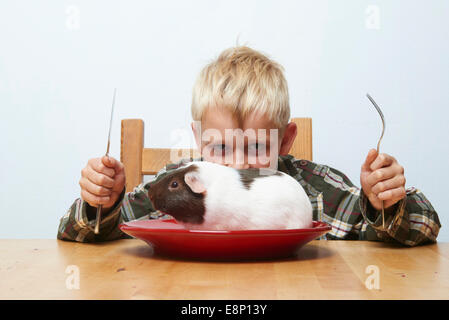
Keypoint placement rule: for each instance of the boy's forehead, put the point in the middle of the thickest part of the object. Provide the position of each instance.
(221, 119)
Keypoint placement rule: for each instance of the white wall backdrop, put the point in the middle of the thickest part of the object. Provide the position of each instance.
(60, 60)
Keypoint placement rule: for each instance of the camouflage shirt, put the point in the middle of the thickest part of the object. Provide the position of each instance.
(335, 200)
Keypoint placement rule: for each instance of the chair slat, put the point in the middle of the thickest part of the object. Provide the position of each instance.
(302, 146)
(131, 148)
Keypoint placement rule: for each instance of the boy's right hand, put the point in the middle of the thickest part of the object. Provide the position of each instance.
(102, 181)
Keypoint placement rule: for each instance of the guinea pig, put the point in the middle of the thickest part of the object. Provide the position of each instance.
(204, 195)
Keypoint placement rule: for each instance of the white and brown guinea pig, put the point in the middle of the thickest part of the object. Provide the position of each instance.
(204, 195)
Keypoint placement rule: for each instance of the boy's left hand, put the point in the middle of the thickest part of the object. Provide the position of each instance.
(382, 179)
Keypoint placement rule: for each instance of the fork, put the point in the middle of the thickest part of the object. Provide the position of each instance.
(378, 144)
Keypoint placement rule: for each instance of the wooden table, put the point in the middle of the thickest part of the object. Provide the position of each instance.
(127, 269)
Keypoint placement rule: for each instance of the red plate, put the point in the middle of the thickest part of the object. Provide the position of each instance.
(167, 237)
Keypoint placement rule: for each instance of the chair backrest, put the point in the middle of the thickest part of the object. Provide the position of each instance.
(140, 161)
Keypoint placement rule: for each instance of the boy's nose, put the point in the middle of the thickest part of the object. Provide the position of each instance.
(240, 159)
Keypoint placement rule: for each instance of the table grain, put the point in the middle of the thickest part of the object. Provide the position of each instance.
(129, 269)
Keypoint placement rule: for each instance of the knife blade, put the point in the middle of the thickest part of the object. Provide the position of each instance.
(98, 218)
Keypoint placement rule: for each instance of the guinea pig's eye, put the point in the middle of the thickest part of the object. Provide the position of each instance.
(174, 184)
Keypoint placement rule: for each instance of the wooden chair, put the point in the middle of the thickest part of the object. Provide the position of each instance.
(140, 161)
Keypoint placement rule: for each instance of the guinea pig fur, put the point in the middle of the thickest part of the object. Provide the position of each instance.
(204, 195)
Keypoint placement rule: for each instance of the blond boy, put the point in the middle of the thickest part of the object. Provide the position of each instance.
(240, 91)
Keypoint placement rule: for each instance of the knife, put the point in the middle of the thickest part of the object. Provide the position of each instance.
(97, 224)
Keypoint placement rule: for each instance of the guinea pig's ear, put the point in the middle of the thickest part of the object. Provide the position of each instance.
(194, 181)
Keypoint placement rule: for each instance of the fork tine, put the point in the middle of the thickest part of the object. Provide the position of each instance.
(377, 107)
(381, 116)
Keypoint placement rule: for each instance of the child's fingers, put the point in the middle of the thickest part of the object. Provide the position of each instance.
(369, 159)
(112, 163)
(109, 162)
(98, 178)
(392, 195)
(382, 160)
(380, 175)
(93, 200)
(389, 184)
(98, 165)
(94, 189)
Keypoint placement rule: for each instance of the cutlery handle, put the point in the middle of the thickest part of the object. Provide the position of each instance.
(383, 211)
(97, 224)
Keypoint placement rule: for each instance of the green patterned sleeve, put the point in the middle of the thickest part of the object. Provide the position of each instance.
(413, 222)
(336, 200)
(78, 224)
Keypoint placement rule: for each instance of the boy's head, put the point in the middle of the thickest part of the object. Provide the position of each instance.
(241, 110)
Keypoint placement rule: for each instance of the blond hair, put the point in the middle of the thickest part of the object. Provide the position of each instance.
(243, 81)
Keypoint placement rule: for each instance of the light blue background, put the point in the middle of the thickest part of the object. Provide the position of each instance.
(57, 79)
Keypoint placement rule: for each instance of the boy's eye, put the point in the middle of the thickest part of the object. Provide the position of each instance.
(255, 147)
(220, 148)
